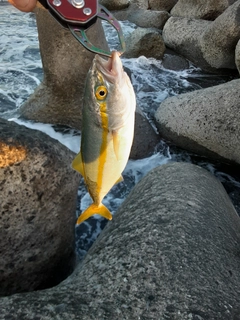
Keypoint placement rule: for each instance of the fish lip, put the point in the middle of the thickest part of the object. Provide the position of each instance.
(112, 68)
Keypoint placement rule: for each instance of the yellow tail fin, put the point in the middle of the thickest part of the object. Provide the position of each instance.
(94, 209)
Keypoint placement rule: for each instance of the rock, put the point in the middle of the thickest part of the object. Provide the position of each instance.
(162, 5)
(205, 121)
(142, 4)
(237, 56)
(200, 9)
(145, 138)
(174, 62)
(146, 42)
(38, 192)
(65, 64)
(114, 4)
(148, 18)
(171, 252)
(219, 40)
(182, 35)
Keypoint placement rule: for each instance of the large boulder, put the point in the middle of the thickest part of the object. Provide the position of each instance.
(205, 121)
(147, 18)
(58, 99)
(161, 5)
(171, 252)
(237, 56)
(146, 42)
(38, 193)
(143, 4)
(183, 35)
(219, 40)
(200, 9)
(115, 4)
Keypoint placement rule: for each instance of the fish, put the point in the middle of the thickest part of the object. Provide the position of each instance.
(108, 117)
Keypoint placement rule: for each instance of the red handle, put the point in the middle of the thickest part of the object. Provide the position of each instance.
(77, 12)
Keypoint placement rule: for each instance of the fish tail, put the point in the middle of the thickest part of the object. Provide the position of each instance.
(94, 209)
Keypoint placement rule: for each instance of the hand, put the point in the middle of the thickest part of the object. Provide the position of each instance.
(24, 5)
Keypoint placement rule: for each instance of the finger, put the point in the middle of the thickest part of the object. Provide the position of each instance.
(24, 5)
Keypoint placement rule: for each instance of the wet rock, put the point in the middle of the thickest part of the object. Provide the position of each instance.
(237, 56)
(58, 99)
(148, 18)
(162, 5)
(145, 41)
(145, 138)
(38, 192)
(201, 9)
(205, 121)
(219, 40)
(183, 35)
(174, 62)
(171, 251)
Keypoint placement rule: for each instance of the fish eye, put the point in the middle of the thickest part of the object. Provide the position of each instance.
(101, 93)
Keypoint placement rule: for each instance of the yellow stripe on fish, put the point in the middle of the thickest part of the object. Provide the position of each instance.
(107, 133)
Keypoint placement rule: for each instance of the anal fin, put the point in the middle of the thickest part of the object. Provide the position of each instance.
(120, 179)
(77, 164)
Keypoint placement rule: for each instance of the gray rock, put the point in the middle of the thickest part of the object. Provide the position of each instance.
(237, 56)
(171, 252)
(145, 41)
(142, 4)
(65, 64)
(115, 4)
(219, 40)
(205, 121)
(183, 36)
(174, 62)
(145, 138)
(38, 192)
(162, 5)
(200, 9)
(148, 18)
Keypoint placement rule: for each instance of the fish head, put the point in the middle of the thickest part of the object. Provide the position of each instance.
(111, 91)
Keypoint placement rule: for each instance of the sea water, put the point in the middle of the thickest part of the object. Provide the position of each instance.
(21, 72)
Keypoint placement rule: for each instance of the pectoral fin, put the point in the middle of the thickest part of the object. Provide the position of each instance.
(77, 164)
(94, 209)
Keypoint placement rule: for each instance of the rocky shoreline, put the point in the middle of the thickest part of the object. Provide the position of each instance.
(172, 249)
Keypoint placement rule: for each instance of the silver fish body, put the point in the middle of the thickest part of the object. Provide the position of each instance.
(107, 132)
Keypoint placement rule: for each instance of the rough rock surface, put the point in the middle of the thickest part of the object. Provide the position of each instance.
(145, 138)
(205, 121)
(38, 192)
(115, 4)
(143, 4)
(148, 18)
(172, 61)
(145, 41)
(200, 9)
(219, 40)
(161, 5)
(171, 252)
(182, 35)
(65, 64)
(237, 56)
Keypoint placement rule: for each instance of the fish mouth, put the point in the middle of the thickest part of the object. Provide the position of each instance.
(112, 68)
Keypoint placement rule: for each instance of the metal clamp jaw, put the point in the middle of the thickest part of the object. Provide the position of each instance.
(79, 15)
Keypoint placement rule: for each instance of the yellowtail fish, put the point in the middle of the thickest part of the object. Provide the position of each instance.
(107, 132)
